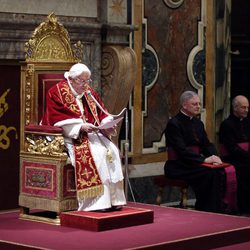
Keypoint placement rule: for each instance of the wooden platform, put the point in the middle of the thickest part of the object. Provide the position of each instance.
(172, 228)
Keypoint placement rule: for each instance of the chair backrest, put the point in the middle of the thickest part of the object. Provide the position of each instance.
(48, 55)
(45, 81)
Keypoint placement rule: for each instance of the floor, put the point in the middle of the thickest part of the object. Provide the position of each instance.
(191, 203)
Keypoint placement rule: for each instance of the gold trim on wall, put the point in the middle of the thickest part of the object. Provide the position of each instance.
(210, 69)
(137, 107)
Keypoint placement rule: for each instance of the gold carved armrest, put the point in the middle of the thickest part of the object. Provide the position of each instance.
(44, 140)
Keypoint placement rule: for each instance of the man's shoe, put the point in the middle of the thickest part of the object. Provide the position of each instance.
(116, 208)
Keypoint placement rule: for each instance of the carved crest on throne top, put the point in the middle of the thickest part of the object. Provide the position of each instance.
(50, 42)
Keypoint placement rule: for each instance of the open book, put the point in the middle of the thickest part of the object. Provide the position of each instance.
(110, 124)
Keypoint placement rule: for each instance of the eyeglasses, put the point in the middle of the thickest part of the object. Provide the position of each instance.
(80, 81)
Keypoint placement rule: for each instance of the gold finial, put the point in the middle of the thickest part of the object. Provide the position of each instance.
(52, 17)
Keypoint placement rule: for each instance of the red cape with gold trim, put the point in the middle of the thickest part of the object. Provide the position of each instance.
(61, 105)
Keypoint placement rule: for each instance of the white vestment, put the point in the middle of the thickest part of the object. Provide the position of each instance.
(110, 172)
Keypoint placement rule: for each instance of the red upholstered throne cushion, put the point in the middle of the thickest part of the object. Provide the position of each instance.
(43, 129)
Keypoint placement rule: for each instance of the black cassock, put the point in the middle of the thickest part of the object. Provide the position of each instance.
(183, 132)
(233, 131)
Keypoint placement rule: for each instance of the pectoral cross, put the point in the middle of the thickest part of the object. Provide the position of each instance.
(109, 156)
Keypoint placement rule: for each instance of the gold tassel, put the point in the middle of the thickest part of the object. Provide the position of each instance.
(109, 156)
(90, 192)
(109, 153)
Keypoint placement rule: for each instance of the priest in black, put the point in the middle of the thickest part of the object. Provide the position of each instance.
(234, 135)
(189, 147)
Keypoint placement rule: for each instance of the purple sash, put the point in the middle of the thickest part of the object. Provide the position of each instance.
(230, 198)
(243, 145)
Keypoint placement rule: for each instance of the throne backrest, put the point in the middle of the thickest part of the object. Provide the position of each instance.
(48, 55)
(45, 81)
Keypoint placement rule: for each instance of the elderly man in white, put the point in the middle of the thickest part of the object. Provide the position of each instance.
(75, 107)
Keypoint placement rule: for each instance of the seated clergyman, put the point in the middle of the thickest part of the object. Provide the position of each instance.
(75, 107)
(234, 135)
(189, 148)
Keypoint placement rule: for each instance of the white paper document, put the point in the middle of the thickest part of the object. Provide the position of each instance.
(110, 124)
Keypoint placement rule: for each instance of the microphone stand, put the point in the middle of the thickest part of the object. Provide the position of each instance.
(126, 148)
(126, 178)
(127, 182)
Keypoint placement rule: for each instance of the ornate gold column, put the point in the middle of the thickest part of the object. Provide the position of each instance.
(210, 69)
(137, 126)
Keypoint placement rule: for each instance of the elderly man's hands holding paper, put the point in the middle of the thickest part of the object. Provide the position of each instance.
(88, 127)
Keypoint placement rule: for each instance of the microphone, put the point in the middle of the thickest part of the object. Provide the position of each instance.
(98, 104)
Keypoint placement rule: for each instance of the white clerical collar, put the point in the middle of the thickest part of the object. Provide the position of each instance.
(190, 117)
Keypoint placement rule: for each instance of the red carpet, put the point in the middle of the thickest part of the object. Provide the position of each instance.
(173, 229)
(100, 221)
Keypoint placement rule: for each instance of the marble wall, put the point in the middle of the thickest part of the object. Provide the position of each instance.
(64, 7)
(171, 33)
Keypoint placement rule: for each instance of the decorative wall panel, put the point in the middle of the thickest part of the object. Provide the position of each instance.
(172, 32)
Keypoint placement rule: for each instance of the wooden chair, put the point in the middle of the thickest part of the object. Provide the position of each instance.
(162, 182)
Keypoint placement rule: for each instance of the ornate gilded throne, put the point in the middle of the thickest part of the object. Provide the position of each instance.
(46, 179)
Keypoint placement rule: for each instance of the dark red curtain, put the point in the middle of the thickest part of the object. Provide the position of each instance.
(9, 135)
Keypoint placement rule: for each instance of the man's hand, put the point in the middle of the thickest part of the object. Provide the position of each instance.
(88, 127)
(213, 159)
